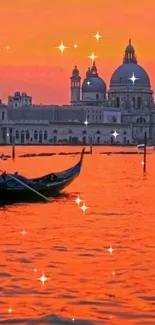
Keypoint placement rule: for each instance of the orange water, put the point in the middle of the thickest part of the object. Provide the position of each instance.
(71, 247)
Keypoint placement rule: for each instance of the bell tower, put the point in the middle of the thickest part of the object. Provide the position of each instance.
(75, 86)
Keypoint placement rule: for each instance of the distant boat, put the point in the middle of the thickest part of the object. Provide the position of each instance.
(17, 188)
(141, 147)
(3, 157)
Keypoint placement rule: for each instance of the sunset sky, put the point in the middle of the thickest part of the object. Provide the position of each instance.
(32, 29)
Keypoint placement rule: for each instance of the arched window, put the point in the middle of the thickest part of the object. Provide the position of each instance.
(45, 135)
(3, 116)
(98, 132)
(133, 99)
(17, 135)
(84, 132)
(141, 120)
(124, 132)
(139, 102)
(55, 131)
(27, 135)
(97, 96)
(117, 102)
(35, 135)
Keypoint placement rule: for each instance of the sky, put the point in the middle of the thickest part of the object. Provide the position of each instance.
(33, 29)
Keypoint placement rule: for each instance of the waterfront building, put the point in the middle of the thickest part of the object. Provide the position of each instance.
(127, 107)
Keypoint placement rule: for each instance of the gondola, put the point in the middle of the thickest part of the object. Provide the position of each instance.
(17, 188)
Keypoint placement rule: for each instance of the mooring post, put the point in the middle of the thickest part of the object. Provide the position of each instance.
(91, 146)
(13, 147)
(144, 160)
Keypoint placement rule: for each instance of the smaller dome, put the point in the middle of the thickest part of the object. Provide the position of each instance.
(93, 83)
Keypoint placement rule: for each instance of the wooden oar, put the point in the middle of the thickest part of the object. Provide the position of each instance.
(29, 187)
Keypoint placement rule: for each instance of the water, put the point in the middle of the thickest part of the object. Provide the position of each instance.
(71, 247)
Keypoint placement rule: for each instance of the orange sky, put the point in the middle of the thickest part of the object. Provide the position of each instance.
(34, 28)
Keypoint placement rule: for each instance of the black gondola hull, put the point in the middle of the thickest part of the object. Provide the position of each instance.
(52, 189)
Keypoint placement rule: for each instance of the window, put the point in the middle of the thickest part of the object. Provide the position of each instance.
(97, 96)
(117, 102)
(3, 116)
(141, 120)
(55, 131)
(27, 135)
(35, 135)
(139, 102)
(98, 132)
(17, 135)
(45, 135)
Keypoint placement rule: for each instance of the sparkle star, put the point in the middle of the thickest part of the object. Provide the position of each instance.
(88, 83)
(73, 319)
(110, 250)
(84, 208)
(61, 47)
(35, 270)
(78, 200)
(86, 122)
(115, 134)
(133, 78)
(97, 36)
(43, 278)
(23, 232)
(92, 56)
(143, 163)
(10, 310)
(75, 46)
(7, 48)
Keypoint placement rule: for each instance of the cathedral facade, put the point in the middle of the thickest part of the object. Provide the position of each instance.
(94, 114)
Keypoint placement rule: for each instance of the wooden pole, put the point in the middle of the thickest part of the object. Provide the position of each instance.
(91, 147)
(144, 160)
(13, 147)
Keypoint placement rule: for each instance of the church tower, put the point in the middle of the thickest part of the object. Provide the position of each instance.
(75, 86)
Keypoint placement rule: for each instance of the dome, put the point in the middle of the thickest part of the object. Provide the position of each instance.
(122, 74)
(93, 83)
(129, 69)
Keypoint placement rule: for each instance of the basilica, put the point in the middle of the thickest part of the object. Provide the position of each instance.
(94, 114)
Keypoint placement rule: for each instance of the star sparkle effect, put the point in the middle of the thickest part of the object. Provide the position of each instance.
(62, 47)
(97, 36)
(142, 163)
(88, 83)
(92, 56)
(75, 46)
(23, 232)
(115, 134)
(10, 310)
(86, 123)
(78, 200)
(84, 208)
(110, 250)
(35, 270)
(7, 48)
(133, 79)
(43, 278)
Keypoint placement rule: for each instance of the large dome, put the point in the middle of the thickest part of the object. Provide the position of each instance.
(123, 74)
(93, 83)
